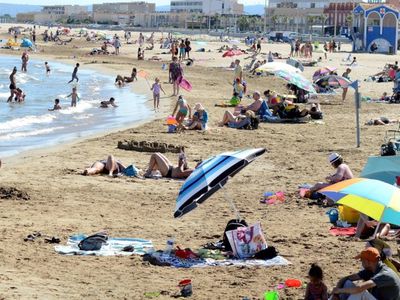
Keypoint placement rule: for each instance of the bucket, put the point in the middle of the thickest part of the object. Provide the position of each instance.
(171, 128)
(271, 295)
(333, 215)
(348, 214)
(293, 283)
(186, 287)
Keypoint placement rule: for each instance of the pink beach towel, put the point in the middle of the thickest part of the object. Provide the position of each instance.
(339, 231)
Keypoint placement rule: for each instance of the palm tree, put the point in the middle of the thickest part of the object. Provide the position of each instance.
(274, 21)
(243, 23)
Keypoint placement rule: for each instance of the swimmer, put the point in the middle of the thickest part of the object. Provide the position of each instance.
(105, 104)
(74, 96)
(57, 105)
(46, 64)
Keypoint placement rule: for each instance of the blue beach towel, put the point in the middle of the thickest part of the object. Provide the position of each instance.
(113, 247)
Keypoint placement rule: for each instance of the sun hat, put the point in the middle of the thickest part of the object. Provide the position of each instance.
(198, 106)
(370, 254)
(334, 157)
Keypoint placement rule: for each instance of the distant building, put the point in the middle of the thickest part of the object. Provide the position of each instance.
(25, 17)
(302, 15)
(60, 13)
(207, 7)
(342, 11)
(394, 3)
(135, 13)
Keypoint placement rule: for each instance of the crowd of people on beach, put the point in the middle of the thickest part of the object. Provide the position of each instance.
(380, 274)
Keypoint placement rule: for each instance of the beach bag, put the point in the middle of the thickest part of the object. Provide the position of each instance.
(246, 241)
(268, 253)
(317, 115)
(388, 149)
(93, 242)
(231, 225)
(131, 171)
(255, 122)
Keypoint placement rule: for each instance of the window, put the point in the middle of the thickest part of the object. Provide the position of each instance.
(312, 5)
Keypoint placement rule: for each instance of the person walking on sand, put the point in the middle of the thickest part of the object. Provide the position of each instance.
(156, 88)
(13, 85)
(346, 75)
(24, 58)
(238, 70)
(75, 74)
(117, 45)
(175, 73)
(74, 96)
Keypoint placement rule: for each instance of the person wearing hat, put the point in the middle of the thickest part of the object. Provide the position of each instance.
(378, 282)
(343, 172)
(200, 118)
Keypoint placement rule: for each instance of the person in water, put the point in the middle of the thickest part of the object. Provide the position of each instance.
(57, 105)
(105, 104)
(74, 96)
(13, 85)
(75, 74)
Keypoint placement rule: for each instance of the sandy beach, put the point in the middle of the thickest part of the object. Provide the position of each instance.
(63, 202)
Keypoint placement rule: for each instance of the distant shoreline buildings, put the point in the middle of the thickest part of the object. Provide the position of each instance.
(301, 16)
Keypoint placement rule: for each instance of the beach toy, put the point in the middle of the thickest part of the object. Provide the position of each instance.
(333, 215)
(171, 120)
(293, 283)
(171, 128)
(186, 287)
(271, 295)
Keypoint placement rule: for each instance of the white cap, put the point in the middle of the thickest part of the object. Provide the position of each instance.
(334, 157)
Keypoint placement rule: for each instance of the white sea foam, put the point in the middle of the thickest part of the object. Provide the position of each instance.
(21, 134)
(81, 106)
(82, 117)
(26, 121)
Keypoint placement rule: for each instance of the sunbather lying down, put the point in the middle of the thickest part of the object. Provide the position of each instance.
(381, 121)
(109, 166)
(159, 162)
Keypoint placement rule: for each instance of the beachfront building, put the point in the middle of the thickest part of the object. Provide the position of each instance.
(376, 24)
(304, 16)
(207, 7)
(125, 13)
(60, 14)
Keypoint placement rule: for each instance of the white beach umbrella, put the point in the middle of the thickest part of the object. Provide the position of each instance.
(278, 66)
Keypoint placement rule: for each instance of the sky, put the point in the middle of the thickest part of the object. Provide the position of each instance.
(88, 2)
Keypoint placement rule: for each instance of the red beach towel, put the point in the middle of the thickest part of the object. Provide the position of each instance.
(339, 231)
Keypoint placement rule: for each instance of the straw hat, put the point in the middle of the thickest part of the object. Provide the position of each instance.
(198, 107)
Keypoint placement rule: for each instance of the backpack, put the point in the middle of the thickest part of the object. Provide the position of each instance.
(388, 149)
(254, 122)
(231, 225)
(131, 171)
(93, 242)
(268, 253)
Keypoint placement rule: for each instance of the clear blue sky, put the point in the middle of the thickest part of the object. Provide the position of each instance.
(88, 2)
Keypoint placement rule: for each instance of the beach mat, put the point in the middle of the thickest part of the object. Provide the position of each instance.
(339, 231)
(113, 247)
(157, 258)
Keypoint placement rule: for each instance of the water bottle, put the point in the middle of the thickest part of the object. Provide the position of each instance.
(169, 247)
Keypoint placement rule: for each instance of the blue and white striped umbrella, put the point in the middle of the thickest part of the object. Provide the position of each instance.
(211, 175)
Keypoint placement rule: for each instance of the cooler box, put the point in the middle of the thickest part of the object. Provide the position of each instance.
(348, 214)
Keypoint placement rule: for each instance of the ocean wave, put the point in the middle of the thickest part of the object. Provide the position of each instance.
(16, 135)
(26, 121)
(82, 117)
(80, 108)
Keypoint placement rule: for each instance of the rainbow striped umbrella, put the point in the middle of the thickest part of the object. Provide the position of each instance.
(374, 198)
(297, 80)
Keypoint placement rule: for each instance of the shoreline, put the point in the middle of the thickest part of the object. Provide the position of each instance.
(138, 88)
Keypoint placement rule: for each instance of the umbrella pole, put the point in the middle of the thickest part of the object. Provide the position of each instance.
(376, 229)
(233, 206)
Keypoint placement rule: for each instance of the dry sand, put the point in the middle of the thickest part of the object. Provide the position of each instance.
(62, 202)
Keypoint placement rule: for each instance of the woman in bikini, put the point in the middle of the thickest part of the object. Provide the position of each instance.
(160, 163)
(109, 166)
(183, 110)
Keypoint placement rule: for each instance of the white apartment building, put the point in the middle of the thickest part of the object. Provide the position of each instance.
(207, 7)
(64, 9)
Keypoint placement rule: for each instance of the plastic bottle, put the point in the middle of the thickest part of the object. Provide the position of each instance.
(169, 247)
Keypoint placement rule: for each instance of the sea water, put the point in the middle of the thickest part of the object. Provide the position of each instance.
(30, 125)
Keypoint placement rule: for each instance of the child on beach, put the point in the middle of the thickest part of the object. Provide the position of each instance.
(316, 288)
(74, 96)
(57, 105)
(182, 109)
(156, 88)
(74, 74)
(46, 64)
(19, 95)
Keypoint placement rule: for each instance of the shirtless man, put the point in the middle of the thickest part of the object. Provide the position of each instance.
(13, 85)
